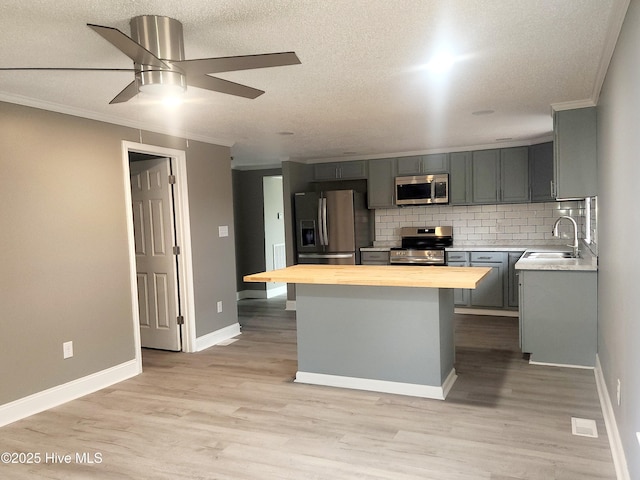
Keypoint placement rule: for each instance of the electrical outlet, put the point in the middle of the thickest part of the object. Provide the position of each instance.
(618, 392)
(219, 304)
(67, 350)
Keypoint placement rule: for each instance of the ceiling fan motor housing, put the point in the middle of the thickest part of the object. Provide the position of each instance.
(162, 36)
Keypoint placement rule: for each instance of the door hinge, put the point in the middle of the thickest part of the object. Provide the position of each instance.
(176, 250)
(180, 320)
(172, 179)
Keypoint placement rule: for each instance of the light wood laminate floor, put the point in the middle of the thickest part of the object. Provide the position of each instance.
(232, 412)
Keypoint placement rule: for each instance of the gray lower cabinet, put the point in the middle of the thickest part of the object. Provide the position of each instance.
(459, 259)
(558, 316)
(512, 274)
(380, 183)
(499, 290)
(575, 155)
(490, 292)
(374, 258)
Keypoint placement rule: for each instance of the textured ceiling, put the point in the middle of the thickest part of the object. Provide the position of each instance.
(362, 89)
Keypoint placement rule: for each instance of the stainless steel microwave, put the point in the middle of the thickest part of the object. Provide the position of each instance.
(422, 189)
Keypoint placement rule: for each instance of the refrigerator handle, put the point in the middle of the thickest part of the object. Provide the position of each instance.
(320, 231)
(324, 221)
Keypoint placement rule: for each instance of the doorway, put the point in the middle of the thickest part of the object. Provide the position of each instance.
(153, 207)
(274, 231)
(159, 247)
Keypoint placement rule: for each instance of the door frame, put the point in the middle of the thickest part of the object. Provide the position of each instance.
(178, 160)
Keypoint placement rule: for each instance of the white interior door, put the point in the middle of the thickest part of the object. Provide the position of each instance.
(153, 225)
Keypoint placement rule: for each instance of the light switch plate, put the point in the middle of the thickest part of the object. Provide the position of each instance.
(67, 350)
(223, 231)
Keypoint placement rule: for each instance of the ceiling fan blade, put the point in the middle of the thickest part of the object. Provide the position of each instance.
(126, 45)
(222, 86)
(127, 94)
(231, 64)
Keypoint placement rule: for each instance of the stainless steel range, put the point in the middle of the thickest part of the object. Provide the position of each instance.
(422, 246)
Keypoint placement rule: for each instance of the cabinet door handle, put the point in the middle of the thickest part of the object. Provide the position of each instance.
(484, 258)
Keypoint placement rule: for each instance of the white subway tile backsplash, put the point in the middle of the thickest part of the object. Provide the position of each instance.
(530, 223)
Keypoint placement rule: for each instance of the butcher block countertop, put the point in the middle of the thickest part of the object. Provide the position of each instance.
(376, 275)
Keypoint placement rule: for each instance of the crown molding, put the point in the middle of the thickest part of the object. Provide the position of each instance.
(572, 105)
(616, 19)
(101, 117)
(467, 148)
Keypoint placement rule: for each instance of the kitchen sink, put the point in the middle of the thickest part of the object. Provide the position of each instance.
(548, 255)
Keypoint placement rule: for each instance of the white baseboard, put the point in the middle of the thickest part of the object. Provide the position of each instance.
(213, 338)
(615, 442)
(384, 386)
(277, 291)
(244, 294)
(483, 311)
(564, 365)
(262, 294)
(52, 397)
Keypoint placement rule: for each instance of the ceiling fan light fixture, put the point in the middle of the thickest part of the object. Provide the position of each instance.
(163, 90)
(162, 36)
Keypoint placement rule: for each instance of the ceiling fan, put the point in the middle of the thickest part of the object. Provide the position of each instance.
(156, 47)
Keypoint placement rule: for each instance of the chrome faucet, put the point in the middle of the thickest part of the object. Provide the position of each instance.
(576, 252)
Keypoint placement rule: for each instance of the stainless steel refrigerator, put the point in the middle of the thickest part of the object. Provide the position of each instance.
(331, 226)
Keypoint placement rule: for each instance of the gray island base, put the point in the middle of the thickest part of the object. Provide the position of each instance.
(379, 338)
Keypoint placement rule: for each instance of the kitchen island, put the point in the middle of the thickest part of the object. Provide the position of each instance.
(379, 328)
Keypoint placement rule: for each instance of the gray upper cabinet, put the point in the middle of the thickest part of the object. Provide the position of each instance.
(575, 155)
(514, 175)
(485, 176)
(500, 176)
(340, 170)
(541, 172)
(423, 164)
(380, 183)
(460, 186)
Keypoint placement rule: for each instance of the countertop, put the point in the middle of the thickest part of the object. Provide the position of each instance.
(463, 248)
(586, 262)
(376, 275)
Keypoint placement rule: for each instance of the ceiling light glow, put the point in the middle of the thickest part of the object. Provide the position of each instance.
(162, 90)
(172, 101)
(442, 62)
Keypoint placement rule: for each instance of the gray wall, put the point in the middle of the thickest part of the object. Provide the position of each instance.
(248, 208)
(65, 263)
(619, 231)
